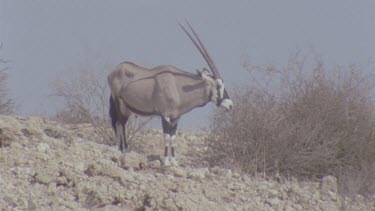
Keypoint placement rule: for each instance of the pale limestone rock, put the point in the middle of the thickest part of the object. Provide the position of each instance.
(133, 160)
(42, 147)
(7, 136)
(16, 145)
(275, 203)
(79, 166)
(155, 164)
(23, 172)
(328, 185)
(43, 178)
(178, 172)
(80, 174)
(61, 180)
(170, 205)
(329, 206)
(52, 188)
(273, 193)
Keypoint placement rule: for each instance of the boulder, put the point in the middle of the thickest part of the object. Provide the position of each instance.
(133, 161)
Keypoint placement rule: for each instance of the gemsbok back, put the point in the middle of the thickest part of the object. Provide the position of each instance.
(163, 91)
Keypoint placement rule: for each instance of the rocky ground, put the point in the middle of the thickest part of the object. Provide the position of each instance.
(49, 166)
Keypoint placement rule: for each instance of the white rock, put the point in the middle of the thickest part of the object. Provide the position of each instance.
(79, 167)
(16, 145)
(328, 184)
(197, 174)
(179, 172)
(154, 164)
(133, 160)
(42, 147)
(274, 202)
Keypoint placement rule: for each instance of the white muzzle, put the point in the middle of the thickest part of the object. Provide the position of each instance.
(227, 104)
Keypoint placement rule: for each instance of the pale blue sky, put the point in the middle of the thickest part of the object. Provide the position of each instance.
(46, 38)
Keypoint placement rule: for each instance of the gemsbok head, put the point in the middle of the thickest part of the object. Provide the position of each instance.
(163, 91)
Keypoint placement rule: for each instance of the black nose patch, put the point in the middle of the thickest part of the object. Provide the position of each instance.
(225, 96)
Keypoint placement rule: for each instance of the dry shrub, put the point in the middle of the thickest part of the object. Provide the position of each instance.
(301, 120)
(7, 105)
(85, 96)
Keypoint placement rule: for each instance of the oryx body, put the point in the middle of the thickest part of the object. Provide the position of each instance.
(164, 91)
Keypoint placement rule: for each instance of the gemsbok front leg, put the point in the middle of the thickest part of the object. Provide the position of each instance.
(169, 132)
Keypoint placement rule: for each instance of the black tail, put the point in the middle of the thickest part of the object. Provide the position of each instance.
(113, 113)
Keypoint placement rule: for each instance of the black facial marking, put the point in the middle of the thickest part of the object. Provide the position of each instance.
(219, 99)
(226, 95)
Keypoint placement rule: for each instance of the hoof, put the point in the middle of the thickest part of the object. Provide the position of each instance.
(166, 162)
(173, 161)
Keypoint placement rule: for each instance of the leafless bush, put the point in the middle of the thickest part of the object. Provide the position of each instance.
(301, 120)
(85, 95)
(7, 105)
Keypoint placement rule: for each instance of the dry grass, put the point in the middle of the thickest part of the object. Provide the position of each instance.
(302, 120)
(7, 105)
(85, 96)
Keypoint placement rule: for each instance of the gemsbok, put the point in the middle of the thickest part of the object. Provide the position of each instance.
(164, 91)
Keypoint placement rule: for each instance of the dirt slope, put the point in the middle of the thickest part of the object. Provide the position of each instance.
(48, 166)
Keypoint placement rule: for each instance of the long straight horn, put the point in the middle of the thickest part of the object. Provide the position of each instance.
(202, 50)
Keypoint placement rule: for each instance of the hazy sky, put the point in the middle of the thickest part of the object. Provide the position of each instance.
(44, 39)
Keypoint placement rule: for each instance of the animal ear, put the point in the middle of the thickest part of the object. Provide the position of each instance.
(219, 82)
(204, 73)
(199, 72)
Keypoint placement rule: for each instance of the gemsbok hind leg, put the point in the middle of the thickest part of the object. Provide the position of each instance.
(123, 147)
(119, 123)
(169, 130)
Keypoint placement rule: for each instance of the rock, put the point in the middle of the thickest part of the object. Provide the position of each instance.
(155, 164)
(31, 205)
(115, 172)
(43, 178)
(360, 199)
(273, 193)
(69, 204)
(179, 172)
(23, 172)
(41, 170)
(299, 207)
(328, 185)
(132, 160)
(236, 175)
(226, 173)
(6, 137)
(31, 131)
(54, 132)
(42, 147)
(62, 180)
(275, 203)
(329, 206)
(16, 145)
(93, 170)
(197, 174)
(79, 166)
(52, 188)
